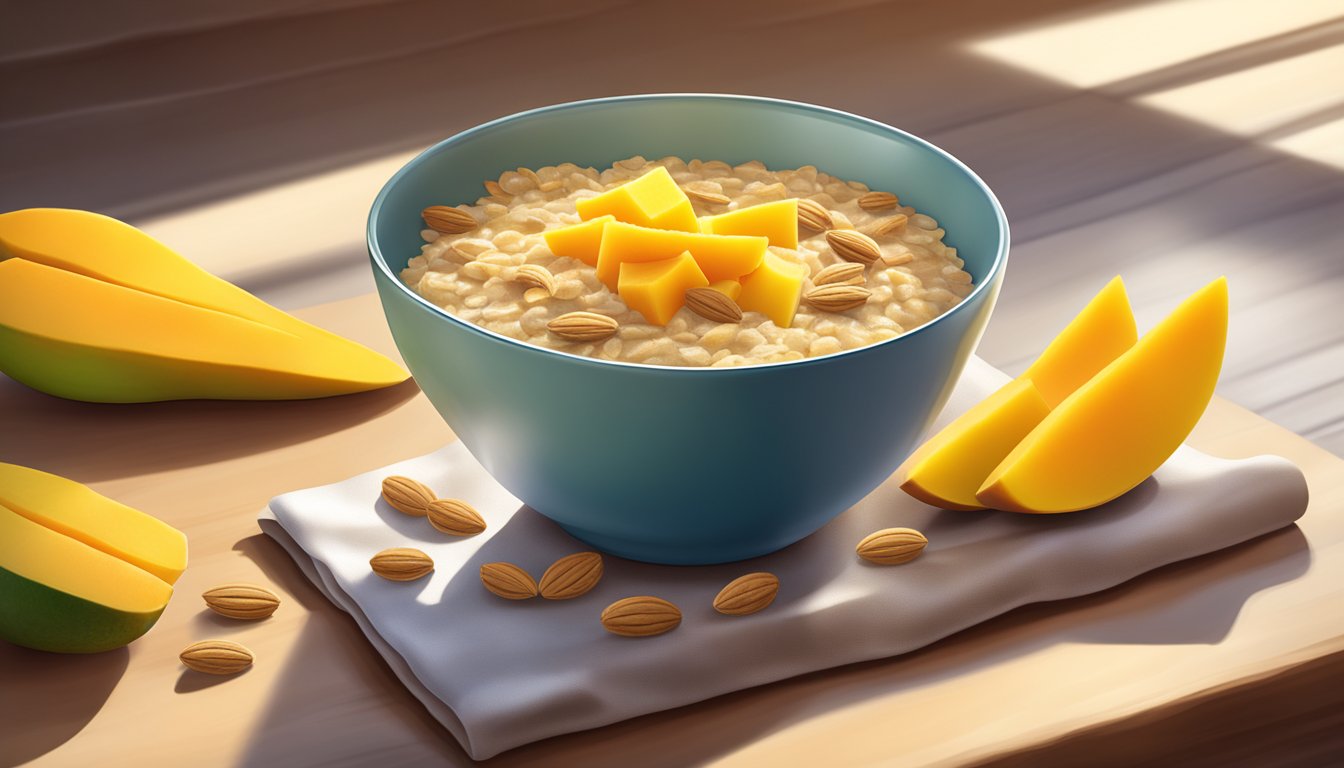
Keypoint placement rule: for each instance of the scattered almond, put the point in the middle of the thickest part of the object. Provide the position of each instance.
(847, 273)
(508, 581)
(852, 245)
(406, 495)
(571, 576)
(216, 657)
(706, 196)
(876, 201)
(448, 220)
(813, 215)
(892, 546)
(713, 305)
(456, 517)
(747, 594)
(837, 298)
(241, 601)
(401, 564)
(583, 326)
(535, 295)
(886, 226)
(551, 186)
(640, 617)
(536, 276)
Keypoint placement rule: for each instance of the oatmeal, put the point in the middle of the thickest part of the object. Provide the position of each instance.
(677, 288)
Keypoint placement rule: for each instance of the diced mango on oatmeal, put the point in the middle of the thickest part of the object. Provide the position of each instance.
(721, 257)
(652, 200)
(580, 241)
(773, 289)
(657, 289)
(776, 220)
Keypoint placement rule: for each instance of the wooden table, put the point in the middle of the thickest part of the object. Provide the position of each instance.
(1236, 657)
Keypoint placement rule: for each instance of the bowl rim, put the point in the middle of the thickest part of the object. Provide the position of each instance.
(380, 263)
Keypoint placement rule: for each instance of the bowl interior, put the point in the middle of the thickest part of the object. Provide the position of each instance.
(734, 129)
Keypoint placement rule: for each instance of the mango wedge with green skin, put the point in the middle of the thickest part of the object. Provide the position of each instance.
(949, 468)
(61, 595)
(1119, 427)
(83, 339)
(119, 274)
(78, 512)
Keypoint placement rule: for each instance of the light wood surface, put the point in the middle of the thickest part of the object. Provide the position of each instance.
(1228, 633)
(1168, 142)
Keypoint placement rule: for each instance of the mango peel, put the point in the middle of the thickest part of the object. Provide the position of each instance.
(93, 309)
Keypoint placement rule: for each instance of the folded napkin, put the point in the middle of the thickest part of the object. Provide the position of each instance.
(499, 674)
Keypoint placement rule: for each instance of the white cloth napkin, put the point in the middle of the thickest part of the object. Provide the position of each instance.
(499, 674)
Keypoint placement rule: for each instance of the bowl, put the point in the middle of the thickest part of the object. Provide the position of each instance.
(687, 465)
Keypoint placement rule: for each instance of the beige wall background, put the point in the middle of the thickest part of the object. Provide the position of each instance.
(1165, 141)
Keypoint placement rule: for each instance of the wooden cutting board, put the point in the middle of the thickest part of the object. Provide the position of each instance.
(1233, 657)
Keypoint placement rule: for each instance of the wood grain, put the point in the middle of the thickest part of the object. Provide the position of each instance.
(1038, 684)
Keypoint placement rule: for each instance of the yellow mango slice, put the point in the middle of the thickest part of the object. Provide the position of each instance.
(773, 289)
(1121, 425)
(657, 289)
(80, 513)
(103, 248)
(948, 469)
(777, 221)
(652, 200)
(720, 257)
(1100, 333)
(59, 594)
(85, 339)
(730, 288)
(579, 241)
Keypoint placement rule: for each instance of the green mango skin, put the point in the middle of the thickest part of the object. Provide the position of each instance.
(36, 616)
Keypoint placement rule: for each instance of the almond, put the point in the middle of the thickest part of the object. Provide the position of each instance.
(508, 581)
(449, 221)
(640, 617)
(406, 495)
(747, 594)
(571, 576)
(706, 195)
(813, 215)
(847, 273)
(456, 517)
(713, 305)
(535, 276)
(837, 298)
(888, 225)
(241, 601)
(401, 564)
(892, 546)
(216, 657)
(852, 245)
(876, 201)
(583, 326)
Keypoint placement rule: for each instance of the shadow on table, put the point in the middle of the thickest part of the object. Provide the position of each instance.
(119, 440)
(56, 695)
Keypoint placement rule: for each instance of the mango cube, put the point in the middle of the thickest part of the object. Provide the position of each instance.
(777, 221)
(653, 200)
(657, 289)
(773, 289)
(720, 257)
(579, 241)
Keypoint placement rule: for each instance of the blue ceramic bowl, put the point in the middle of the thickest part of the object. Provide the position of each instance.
(687, 465)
